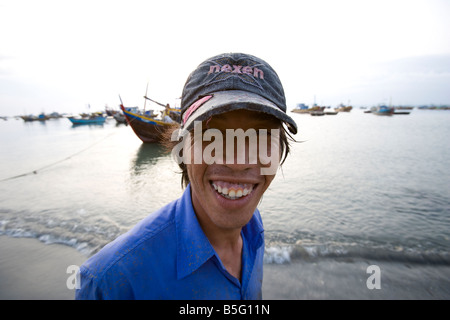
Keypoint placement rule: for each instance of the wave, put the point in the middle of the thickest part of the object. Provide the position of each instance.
(83, 247)
(281, 248)
(284, 254)
(83, 231)
(85, 243)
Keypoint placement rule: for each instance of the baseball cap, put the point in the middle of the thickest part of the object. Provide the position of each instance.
(233, 81)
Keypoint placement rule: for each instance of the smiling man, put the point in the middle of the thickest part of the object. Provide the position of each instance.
(208, 244)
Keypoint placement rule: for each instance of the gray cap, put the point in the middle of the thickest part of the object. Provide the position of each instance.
(233, 81)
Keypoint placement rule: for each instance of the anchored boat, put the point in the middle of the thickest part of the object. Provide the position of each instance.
(146, 125)
(94, 118)
(383, 110)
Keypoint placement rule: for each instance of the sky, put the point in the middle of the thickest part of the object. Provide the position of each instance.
(66, 55)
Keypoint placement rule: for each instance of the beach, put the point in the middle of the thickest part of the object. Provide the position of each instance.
(30, 270)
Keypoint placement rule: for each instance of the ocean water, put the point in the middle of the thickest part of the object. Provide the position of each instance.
(355, 186)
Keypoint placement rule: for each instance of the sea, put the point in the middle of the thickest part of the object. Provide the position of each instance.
(355, 186)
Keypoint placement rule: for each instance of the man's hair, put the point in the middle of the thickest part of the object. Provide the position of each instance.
(169, 144)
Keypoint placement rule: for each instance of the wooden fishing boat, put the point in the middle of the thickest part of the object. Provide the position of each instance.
(40, 117)
(147, 128)
(301, 108)
(317, 113)
(342, 108)
(314, 111)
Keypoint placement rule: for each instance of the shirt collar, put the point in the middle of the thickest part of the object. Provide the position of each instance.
(193, 247)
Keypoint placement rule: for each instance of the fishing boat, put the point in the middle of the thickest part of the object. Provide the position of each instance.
(147, 127)
(329, 111)
(146, 124)
(40, 117)
(403, 110)
(301, 108)
(382, 110)
(120, 117)
(316, 111)
(342, 108)
(95, 118)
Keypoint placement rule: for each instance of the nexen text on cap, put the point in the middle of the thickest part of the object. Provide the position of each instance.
(233, 81)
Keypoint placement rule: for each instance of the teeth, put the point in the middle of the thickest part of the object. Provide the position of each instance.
(233, 192)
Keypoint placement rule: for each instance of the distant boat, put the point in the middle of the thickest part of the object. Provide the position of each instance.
(404, 108)
(342, 108)
(402, 112)
(41, 117)
(314, 111)
(382, 110)
(146, 126)
(120, 117)
(317, 113)
(301, 108)
(90, 119)
(55, 115)
(329, 111)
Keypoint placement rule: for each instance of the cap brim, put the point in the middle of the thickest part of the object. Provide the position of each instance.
(225, 101)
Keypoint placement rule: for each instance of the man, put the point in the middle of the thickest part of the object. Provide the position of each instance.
(208, 244)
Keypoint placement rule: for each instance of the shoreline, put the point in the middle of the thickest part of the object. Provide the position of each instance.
(32, 270)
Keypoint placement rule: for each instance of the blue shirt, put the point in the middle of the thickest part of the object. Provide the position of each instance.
(168, 256)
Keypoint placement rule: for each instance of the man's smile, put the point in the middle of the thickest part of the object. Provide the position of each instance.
(232, 191)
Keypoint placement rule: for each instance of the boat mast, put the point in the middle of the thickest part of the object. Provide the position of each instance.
(145, 100)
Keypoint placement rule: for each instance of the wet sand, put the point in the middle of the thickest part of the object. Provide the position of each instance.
(333, 279)
(30, 269)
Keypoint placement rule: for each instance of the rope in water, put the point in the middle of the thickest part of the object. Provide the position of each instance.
(57, 162)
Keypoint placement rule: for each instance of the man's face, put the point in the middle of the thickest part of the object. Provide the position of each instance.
(227, 194)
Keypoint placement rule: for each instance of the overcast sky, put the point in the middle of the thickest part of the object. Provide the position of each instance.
(63, 55)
